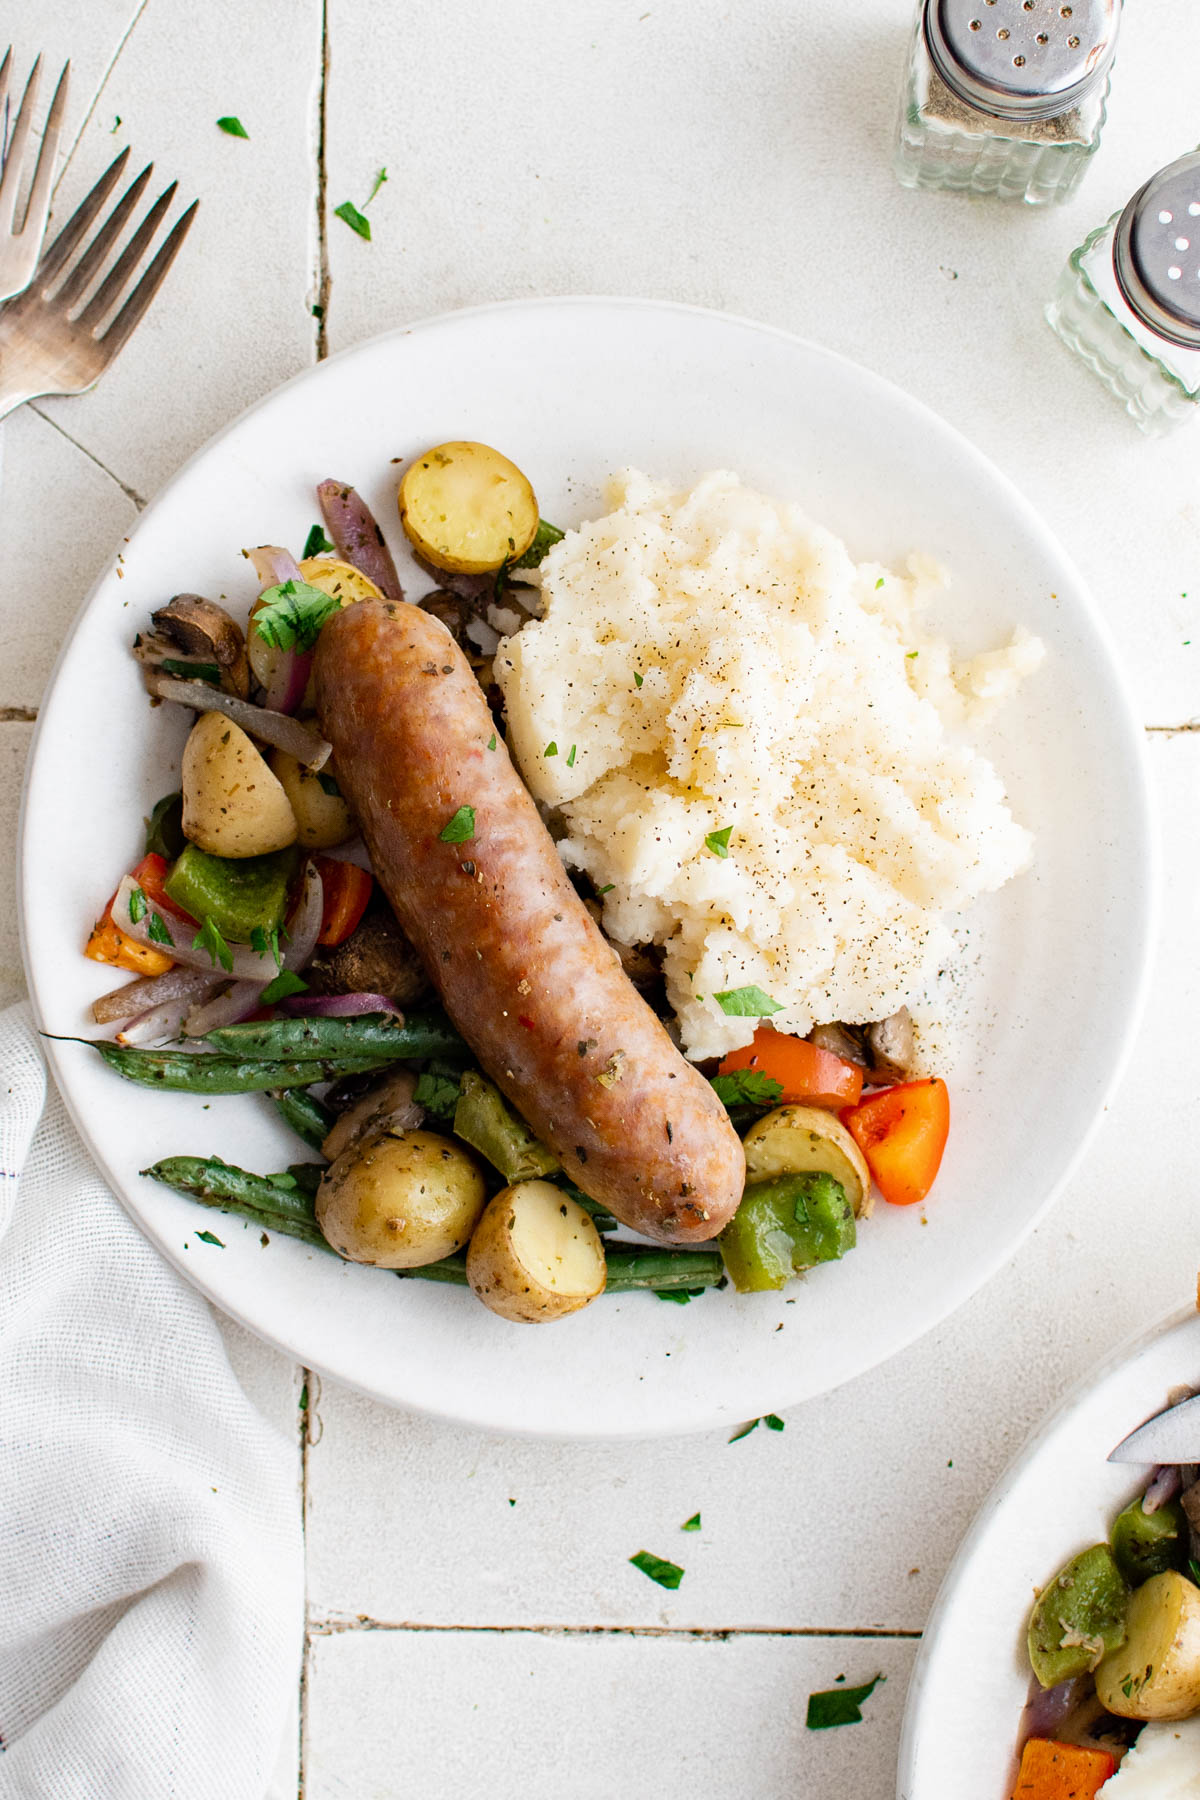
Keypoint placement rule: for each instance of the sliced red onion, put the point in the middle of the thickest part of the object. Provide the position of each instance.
(150, 991)
(274, 565)
(248, 965)
(229, 1008)
(1046, 1708)
(160, 1022)
(282, 674)
(1164, 1486)
(272, 727)
(304, 926)
(338, 1006)
(357, 538)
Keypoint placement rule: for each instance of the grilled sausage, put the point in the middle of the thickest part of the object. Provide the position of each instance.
(523, 971)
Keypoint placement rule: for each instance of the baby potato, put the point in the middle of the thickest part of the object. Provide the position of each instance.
(466, 508)
(232, 804)
(535, 1255)
(1156, 1672)
(794, 1139)
(399, 1199)
(322, 818)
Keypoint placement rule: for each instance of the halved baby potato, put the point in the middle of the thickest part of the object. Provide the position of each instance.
(400, 1199)
(535, 1254)
(1156, 1672)
(232, 804)
(466, 508)
(322, 816)
(793, 1140)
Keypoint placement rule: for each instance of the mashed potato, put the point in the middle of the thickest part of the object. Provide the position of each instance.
(1164, 1764)
(749, 741)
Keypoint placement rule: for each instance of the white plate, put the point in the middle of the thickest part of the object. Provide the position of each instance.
(573, 389)
(969, 1682)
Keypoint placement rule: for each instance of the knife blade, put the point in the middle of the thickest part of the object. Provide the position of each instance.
(1172, 1436)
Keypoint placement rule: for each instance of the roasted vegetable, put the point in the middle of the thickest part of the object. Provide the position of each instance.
(1079, 1618)
(400, 1199)
(484, 1119)
(1146, 1544)
(807, 1074)
(794, 1140)
(376, 959)
(902, 1132)
(380, 1036)
(1154, 1671)
(232, 804)
(322, 816)
(388, 1102)
(784, 1226)
(240, 896)
(535, 1255)
(467, 508)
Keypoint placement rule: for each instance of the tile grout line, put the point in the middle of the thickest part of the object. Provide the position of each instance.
(335, 1627)
(18, 715)
(131, 494)
(320, 306)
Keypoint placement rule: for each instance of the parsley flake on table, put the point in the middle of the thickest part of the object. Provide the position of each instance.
(718, 841)
(157, 928)
(746, 1087)
(773, 1422)
(839, 1706)
(233, 127)
(290, 616)
(692, 1524)
(348, 212)
(206, 1237)
(285, 983)
(461, 828)
(746, 1003)
(316, 542)
(137, 905)
(667, 1574)
(209, 938)
(304, 1398)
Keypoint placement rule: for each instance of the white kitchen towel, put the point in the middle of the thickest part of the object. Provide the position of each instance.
(151, 1564)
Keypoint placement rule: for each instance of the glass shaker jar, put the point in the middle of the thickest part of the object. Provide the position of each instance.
(1129, 299)
(1006, 97)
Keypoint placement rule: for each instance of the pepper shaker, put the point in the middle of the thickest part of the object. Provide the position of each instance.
(1128, 301)
(1006, 97)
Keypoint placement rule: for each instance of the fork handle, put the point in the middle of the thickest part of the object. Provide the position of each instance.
(14, 392)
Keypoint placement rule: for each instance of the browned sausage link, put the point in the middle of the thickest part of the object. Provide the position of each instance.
(523, 971)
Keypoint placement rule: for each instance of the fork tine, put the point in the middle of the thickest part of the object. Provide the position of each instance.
(5, 66)
(131, 313)
(92, 260)
(56, 256)
(10, 181)
(43, 175)
(110, 291)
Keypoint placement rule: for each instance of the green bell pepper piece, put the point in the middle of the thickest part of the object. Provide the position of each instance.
(239, 894)
(785, 1226)
(1079, 1618)
(1146, 1544)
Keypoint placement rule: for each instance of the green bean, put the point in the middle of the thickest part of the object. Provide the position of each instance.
(628, 1270)
(378, 1035)
(288, 1209)
(305, 1114)
(193, 1072)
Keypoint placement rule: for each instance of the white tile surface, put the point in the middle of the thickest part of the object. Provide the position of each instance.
(14, 748)
(445, 1716)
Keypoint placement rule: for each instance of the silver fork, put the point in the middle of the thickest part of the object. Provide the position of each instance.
(51, 340)
(19, 250)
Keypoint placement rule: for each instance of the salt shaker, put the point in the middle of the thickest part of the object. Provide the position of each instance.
(1128, 301)
(1006, 97)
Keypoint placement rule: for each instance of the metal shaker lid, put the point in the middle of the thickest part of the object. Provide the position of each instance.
(1156, 253)
(1022, 59)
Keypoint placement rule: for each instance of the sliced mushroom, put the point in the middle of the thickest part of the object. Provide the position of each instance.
(376, 958)
(453, 611)
(386, 1106)
(201, 631)
(845, 1041)
(892, 1048)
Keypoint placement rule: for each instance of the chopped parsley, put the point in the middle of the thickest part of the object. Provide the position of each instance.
(912, 654)
(438, 1094)
(839, 1706)
(571, 757)
(231, 126)
(206, 1237)
(191, 671)
(879, 583)
(290, 616)
(746, 1003)
(638, 679)
(209, 938)
(285, 983)
(380, 178)
(680, 1296)
(747, 1087)
(551, 749)
(772, 1421)
(264, 941)
(607, 888)
(157, 929)
(692, 1524)
(354, 219)
(461, 828)
(667, 1574)
(316, 542)
(718, 841)
(544, 538)
(137, 905)
(492, 741)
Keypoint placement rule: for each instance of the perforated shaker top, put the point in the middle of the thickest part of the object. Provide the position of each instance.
(1156, 252)
(1022, 59)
